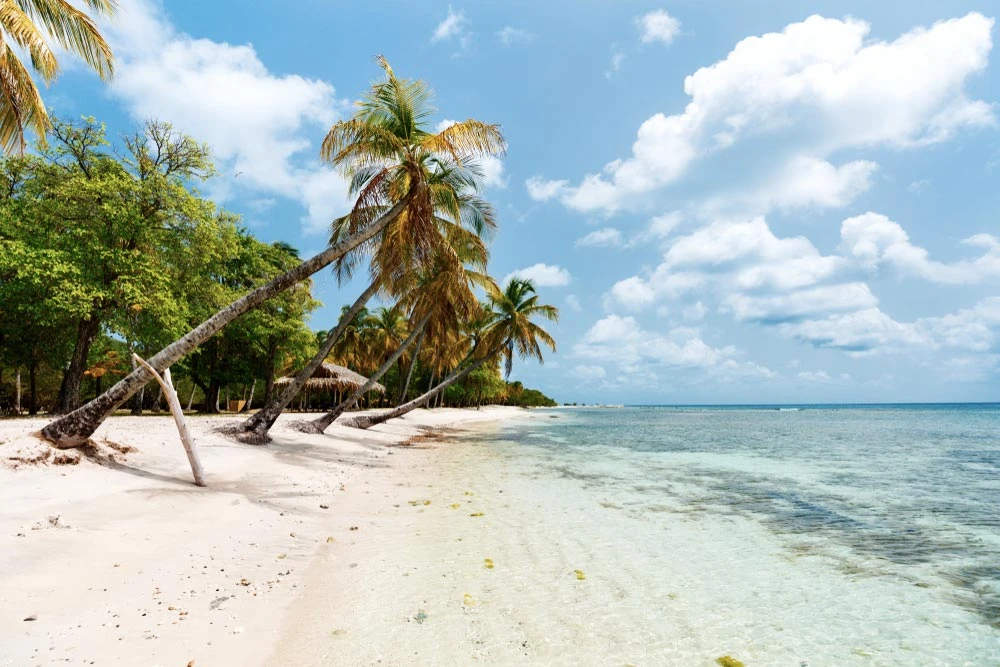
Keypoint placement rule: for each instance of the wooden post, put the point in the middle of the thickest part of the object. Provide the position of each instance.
(175, 408)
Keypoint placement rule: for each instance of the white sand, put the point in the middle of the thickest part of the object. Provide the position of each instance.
(143, 568)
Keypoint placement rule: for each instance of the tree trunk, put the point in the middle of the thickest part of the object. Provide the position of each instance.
(75, 429)
(211, 404)
(367, 421)
(32, 394)
(409, 371)
(324, 422)
(246, 406)
(17, 396)
(194, 386)
(260, 423)
(137, 399)
(69, 390)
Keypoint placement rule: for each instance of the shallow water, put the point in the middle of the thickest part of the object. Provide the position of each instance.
(813, 536)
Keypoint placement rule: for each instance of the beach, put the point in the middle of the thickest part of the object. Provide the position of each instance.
(129, 563)
(510, 537)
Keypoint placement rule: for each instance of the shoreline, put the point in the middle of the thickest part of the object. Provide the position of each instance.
(125, 561)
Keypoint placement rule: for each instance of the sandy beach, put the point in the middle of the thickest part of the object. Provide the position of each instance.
(126, 562)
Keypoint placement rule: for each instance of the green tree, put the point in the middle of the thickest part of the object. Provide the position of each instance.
(507, 329)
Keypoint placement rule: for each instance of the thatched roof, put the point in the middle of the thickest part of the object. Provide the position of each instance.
(332, 376)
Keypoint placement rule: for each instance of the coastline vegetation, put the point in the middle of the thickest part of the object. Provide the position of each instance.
(107, 248)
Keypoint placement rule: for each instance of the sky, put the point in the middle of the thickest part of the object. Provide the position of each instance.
(787, 201)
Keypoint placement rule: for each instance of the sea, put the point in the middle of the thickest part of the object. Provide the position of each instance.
(795, 535)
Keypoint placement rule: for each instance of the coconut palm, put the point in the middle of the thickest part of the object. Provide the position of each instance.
(462, 221)
(440, 297)
(388, 153)
(505, 329)
(29, 24)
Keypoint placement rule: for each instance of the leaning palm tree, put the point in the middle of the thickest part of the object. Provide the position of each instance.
(506, 329)
(29, 24)
(383, 149)
(461, 221)
(442, 296)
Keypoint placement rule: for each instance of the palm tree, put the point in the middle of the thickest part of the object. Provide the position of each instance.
(27, 24)
(440, 296)
(506, 329)
(460, 221)
(387, 153)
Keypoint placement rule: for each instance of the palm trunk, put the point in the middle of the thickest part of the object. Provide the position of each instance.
(69, 390)
(324, 422)
(262, 421)
(367, 421)
(409, 372)
(75, 429)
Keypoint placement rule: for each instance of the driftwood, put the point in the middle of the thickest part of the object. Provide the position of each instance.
(175, 408)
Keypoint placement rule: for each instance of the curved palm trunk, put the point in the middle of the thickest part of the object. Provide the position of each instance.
(324, 422)
(257, 426)
(409, 373)
(75, 429)
(367, 421)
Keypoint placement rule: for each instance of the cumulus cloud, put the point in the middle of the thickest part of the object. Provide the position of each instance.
(541, 189)
(658, 26)
(542, 275)
(820, 86)
(874, 240)
(623, 342)
(257, 123)
(814, 376)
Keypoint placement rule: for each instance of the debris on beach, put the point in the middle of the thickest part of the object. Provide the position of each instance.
(455, 506)
(477, 514)
(330, 540)
(421, 616)
(488, 563)
(468, 600)
(580, 575)
(728, 661)
(469, 493)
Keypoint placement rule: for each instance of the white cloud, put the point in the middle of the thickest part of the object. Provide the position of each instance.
(695, 312)
(873, 240)
(573, 302)
(491, 167)
(509, 35)
(257, 123)
(541, 189)
(819, 86)
(801, 303)
(659, 26)
(871, 331)
(608, 236)
(622, 341)
(916, 187)
(453, 25)
(542, 275)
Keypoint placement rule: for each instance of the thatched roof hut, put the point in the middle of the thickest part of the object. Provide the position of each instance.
(332, 376)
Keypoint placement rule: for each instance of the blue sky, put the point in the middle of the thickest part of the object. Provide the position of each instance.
(729, 201)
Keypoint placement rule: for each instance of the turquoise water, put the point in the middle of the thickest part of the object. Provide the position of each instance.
(908, 495)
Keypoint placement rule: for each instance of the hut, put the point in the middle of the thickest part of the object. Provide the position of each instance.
(330, 378)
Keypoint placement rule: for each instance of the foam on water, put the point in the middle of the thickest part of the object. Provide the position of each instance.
(811, 536)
